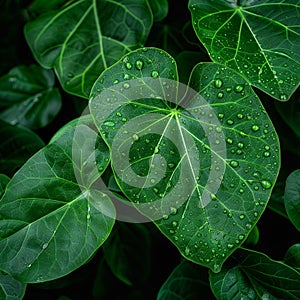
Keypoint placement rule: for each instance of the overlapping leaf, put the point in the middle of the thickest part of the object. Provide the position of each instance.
(259, 39)
(10, 288)
(83, 38)
(159, 140)
(51, 218)
(28, 97)
(256, 277)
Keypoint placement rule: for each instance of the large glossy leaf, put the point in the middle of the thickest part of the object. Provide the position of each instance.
(16, 146)
(10, 288)
(3, 183)
(256, 277)
(188, 281)
(28, 97)
(158, 146)
(259, 39)
(95, 34)
(292, 198)
(120, 253)
(51, 218)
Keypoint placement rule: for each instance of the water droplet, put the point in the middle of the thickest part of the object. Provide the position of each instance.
(173, 210)
(154, 74)
(135, 137)
(126, 85)
(124, 119)
(187, 250)
(229, 141)
(239, 88)
(241, 237)
(88, 216)
(119, 114)
(128, 66)
(174, 223)
(221, 116)
(165, 217)
(218, 83)
(266, 154)
(266, 184)
(283, 97)
(139, 64)
(229, 122)
(220, 95)
(255, 128)
(126, 76)
(109, 124)
(234, 164)
(44, 246)
(156, 150)
(230, 246)
(242, 217)
(267, 147)
(240, 116)
(116, 81)
(240, 145)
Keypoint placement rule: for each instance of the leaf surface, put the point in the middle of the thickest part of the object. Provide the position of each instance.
(28, 97)
(17, 145)
(292, 256)
(292, 198)
(90, 40)
(158, 146)
(10, 288)
(259, 39)
(51, 218)
(159, 9)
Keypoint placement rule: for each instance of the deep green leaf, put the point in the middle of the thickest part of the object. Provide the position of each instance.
(28, 97)
(90, 40)
(292, 257)
(188, 281)
(10, 288)
(120, 252)
(258, 39)
(52, 219)
(159, 9)
(269, 276)
(3, 183)
(16, 146)
(292, 198)
(157, 148)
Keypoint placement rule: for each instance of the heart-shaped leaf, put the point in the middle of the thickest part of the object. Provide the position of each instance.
(200, 163)
(259, 39)
(256, 277)
(51, 218)
(95, 34)
(28, 97)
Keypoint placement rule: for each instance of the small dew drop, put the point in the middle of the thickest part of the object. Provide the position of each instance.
(135, 137)
(240, 145)
(220, 95)
(44, 246)
(242, 217)
(230, 246)
(109, 124)
(218, 83)
(239, 88)
(283, 97)
(126, 85)
(154, 74)
(266, 184)
(128, 66)
(187, 250)
(255, 128)
(139, 64)
(230, 122)
(229, 141)
(234, 164)
(173, 211)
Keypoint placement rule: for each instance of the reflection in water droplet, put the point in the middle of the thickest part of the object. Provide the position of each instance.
(139, 64)
(218, 83)
(266, 184)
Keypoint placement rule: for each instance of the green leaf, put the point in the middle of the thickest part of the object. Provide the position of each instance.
(157, 148)
(188, 281)
(10, 288)
(3, 183)
(28, 97)
(90, 40)
(52, 219)
(292, 198)
(274, 277)
(16, 146)
(259, 39)
(120, 253)
(159, 9)
(292, 257)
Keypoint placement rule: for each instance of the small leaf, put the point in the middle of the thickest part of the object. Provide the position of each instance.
(187, 281)
(28, 97)
(292, 257)
(10, 288)
(90, 41)
(292, 198)
(3, 183)
(120, 253)
(159, 9)
(52, 219)
(158, 141)
(16, 146)
(258, 39)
